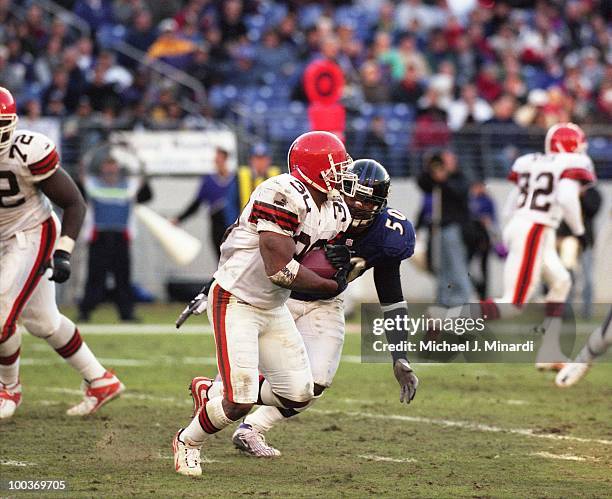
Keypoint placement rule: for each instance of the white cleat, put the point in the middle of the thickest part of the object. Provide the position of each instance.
(186, 457)
(571, 374)
(10, 399)
(97, 393)
(249, 440)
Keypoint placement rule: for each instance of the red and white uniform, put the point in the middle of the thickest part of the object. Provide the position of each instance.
(28, 232)
(254, 330)
(548, 190)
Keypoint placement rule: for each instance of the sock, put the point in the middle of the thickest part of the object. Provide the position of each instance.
(209, 420)
(597, 344)
(264, 418)
(550, 349)
(67, 342)
(215, 390)
(9, 359)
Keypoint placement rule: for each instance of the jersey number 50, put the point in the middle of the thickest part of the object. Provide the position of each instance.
(395, 225)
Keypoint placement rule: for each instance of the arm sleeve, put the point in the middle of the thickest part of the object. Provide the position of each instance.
(389, 290)
(568, 195)
(425, 182)
(190, 210)
(591, 202)
(275, 209)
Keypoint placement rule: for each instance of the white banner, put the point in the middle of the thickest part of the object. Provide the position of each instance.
(173, 152)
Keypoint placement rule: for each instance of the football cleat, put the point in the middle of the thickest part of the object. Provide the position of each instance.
(571, 373)
(186, 457)
(97, 393)
(10, 399)
(249, 440)
(199, 390)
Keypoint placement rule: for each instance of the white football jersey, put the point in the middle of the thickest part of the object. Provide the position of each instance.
(537, 177)
(31, 158)
(281, 204)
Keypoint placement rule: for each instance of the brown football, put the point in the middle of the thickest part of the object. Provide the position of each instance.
(316, 261)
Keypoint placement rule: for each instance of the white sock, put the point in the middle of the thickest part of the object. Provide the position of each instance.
(267, 397)
(215, 390)
(550, 349)
(209, 420)
(67, 342)
(264, 418)
(597, 344)
(9, 359)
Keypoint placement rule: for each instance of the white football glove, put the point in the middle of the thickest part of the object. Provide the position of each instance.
(407, 380)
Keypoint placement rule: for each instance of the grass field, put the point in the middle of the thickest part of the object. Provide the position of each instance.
(473, 430)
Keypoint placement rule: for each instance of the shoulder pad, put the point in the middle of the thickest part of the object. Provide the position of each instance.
(38, 150)
(399, 237)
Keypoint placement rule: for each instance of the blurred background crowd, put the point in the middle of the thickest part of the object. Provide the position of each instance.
(484, 77)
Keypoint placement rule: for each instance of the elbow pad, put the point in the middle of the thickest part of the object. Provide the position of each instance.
(285, 276)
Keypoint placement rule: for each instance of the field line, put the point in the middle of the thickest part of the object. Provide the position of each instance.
(466, 425)
(373, 457)
(128, 395)
(20, 464)
(563, 457)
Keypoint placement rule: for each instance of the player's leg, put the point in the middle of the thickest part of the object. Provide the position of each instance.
(42, 318)
(236, 327)
(321, 325)
(23, 257)
(597, 344)
(559, 284)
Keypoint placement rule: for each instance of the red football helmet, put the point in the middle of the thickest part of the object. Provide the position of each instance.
(319, 159)
(565, 137)
(8, 119)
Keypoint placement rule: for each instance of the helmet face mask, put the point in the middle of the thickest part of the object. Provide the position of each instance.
(370, 188)
(8, 119)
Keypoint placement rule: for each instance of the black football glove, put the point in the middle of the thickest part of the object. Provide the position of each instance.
(341, 278)
(60, 266)
(338, 255)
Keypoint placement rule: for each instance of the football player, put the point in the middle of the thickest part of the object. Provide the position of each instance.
(547, 190)
(286, 216)
(379, 237)
(597, 344)
(30, 179)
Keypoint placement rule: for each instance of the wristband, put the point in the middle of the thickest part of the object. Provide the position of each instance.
(65, 243)
(285, 276)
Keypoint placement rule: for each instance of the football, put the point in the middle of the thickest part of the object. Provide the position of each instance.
(317, 261)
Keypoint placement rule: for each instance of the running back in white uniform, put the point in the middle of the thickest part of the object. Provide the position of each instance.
(31, 158)
(548, 191)
(281, 204)
(254, 330)
(538, 178)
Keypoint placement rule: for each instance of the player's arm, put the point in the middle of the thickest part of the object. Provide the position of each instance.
(389, 290)
(62, 191)
(282, 269)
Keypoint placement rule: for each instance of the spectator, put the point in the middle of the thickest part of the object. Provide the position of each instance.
(111, 196)
(219, 192)
(141, 33)
(272, 55)
(100, 93)
(488, 84)
(430, 125)
(171, 47)
(410, 89)
(376, 145)
(468, 109)
(259, 169)
(231, 24)
(59, 90)
(96, 13)
(201, 69)
(373, 88)
(411, 57)
(442, 179)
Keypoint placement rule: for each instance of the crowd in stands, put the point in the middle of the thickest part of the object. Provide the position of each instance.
(447, 63)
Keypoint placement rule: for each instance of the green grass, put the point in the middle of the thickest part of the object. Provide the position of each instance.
(125, 450)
